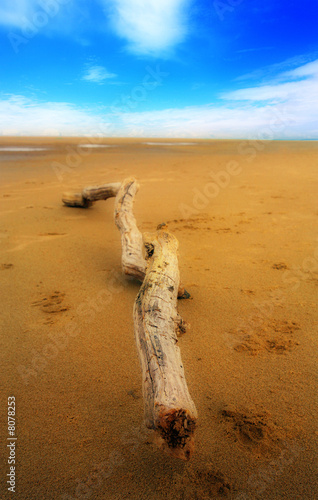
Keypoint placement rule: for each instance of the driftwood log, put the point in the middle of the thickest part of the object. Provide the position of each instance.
(90, 194)
(169, 408)
(133, 262)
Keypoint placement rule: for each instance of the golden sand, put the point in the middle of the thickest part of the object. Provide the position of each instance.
(245, 215)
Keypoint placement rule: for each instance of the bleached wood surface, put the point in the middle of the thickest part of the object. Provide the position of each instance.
(90, 194)
(95, 193)
(71, 199)
(169, 408)
(133, 262)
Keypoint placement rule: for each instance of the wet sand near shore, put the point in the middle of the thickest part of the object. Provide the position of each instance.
(246, 218)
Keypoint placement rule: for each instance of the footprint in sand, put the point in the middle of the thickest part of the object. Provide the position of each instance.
(5, 266)
(248, 292)
(275, 337)
(134, 393)
(253, 430)
(201, 484)
(200, 222)
(52, 303)
(280, 265)
(223, 230)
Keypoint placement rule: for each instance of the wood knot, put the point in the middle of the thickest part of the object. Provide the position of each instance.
(162, 226)
(149, 250)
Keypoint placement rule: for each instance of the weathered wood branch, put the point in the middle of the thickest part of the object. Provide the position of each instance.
(169, 408)
(95, 193)
(133, 262)
(71, 199)
(90, 194)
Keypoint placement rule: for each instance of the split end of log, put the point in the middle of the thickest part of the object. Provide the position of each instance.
(76, 200)
(176, 430)
(90, 194)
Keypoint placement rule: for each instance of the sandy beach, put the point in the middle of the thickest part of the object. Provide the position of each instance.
(245, 215)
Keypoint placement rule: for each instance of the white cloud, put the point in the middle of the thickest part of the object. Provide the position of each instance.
(309, 69)
(301, 86)
(272, 71)
(97, 74)
(153, 27)
(24, 116)
(286, 110)
(213, 122)
(28, 18)
(14, 13)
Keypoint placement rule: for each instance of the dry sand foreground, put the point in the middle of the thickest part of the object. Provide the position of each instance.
(249, 257)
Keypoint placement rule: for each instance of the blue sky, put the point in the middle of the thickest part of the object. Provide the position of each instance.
(159, 68)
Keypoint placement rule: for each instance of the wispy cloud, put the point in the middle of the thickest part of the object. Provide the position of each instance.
(307, 70)
(299, 83)
(256, 49)
(15, 13)
(97, 74)
(269, 72)
(223, 122)
(28, 18)
(154, 27)
(287, 110)
(24, 116)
